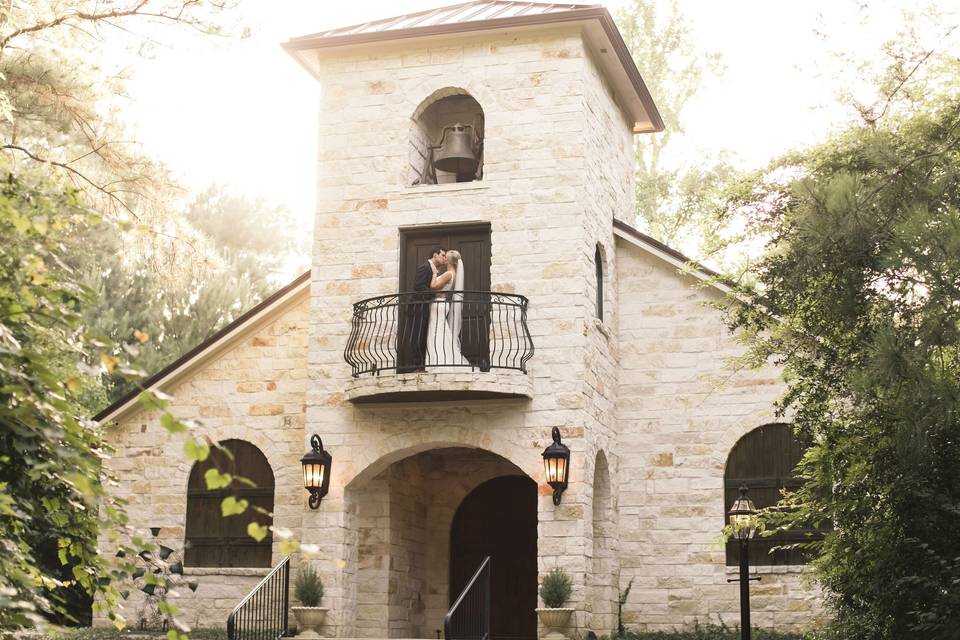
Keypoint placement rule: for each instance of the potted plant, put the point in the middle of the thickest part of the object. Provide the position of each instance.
(308, 589)
(555, 590)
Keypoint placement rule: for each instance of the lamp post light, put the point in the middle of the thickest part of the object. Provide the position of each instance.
(316, 471)
(556, 465)
(743, 522)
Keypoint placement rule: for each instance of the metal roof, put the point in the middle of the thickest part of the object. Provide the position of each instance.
(476, 11)
(498, 15)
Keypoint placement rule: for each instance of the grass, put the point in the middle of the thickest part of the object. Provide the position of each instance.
(110, 633)
(708, 632)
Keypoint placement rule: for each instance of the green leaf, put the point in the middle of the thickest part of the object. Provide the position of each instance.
(41, 224)
(171, 424)
(288, 546)
(151, 400)
(257, 531)
(232, 507)
(196, 450)
(217, 480)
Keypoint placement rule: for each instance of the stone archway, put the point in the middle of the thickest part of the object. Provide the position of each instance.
(605, 566)
(499, 519)
(399, 514)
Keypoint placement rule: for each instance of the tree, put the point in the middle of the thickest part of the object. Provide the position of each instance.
(856, 296)
(247, 244)
(50, 482)
(677, 204)
(69, 173)
(58, 102)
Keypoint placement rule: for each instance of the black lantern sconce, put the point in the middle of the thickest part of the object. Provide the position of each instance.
(556, 465)
(316, 471)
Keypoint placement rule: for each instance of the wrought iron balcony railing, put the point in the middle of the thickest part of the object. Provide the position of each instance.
(456, 331)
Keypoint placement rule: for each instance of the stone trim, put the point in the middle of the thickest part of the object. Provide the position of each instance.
(506, 383)
(771, 569)
(258, 572)
(422, 189)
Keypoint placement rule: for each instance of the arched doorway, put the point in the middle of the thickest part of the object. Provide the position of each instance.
(499, 519)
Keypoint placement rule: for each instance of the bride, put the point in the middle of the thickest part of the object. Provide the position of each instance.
(446, 315)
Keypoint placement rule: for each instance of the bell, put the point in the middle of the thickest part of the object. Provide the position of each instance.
(456, 151)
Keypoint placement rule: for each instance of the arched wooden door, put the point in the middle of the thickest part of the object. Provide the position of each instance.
(499, 519)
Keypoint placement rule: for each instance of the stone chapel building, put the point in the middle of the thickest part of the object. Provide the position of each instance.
(571, 319)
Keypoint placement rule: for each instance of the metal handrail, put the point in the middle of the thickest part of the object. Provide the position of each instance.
(469, 617)
(247, 620)
(391, 332)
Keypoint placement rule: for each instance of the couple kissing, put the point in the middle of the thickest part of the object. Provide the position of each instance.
(436, 312)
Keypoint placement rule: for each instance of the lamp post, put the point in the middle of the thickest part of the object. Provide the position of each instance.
(744, 526)
(316, 471)
(556, 465)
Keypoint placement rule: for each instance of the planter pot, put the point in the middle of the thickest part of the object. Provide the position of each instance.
(308, 619)
(556, 621)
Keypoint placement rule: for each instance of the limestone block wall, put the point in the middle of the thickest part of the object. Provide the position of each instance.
(680, 410)
(254, 392)
(609, 194)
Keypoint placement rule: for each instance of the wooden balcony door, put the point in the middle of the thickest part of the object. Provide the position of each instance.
(473, 243)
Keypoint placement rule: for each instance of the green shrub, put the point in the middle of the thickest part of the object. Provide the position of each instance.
(111, 633)
(308, 587)
(709, 632)
(556, 588)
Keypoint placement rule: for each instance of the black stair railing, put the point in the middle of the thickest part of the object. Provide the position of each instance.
(466, 330)
(263, 614)
(469, 617)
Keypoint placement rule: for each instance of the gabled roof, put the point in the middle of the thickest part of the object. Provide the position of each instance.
(213, 346)
(454, 14)
(599, 30)
(670, 255)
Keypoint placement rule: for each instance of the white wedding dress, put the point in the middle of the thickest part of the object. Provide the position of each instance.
(443, 328)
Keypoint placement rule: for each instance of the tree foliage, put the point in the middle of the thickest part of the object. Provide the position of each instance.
(145, 291)
(679, 204)
(857, 297)
(86, 220)
(51, 489)
(60, 91)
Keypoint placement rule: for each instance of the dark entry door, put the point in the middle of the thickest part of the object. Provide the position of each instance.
(473, 243)
(499, 519)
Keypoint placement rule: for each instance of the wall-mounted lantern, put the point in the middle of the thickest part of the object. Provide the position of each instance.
(556, 465)
(316, 471)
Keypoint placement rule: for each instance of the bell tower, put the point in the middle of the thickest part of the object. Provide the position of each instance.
(503, 130)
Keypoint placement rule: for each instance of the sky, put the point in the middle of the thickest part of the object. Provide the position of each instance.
(242, 113)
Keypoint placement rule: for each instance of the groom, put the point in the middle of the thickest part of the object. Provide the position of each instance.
(418, 313)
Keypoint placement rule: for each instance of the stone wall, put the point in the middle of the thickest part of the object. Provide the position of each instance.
(253, 392)
(531, 87)
(680, 410)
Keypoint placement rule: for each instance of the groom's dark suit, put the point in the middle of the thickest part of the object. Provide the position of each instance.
(414, 336)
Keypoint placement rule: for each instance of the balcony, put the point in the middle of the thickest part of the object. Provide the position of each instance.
(413, 347)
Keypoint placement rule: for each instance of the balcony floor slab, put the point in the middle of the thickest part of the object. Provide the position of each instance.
(390, 386)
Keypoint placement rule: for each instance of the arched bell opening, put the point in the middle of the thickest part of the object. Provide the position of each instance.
(446, 139)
